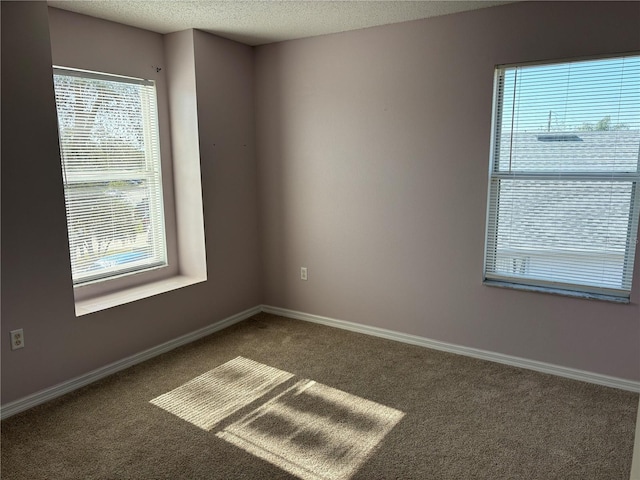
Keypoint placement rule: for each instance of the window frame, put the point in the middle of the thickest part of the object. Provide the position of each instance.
(493, 194)
(126, 279)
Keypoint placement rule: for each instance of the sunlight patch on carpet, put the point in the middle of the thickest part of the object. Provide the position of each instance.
(308, 429)
(314, 431)
(213, 396)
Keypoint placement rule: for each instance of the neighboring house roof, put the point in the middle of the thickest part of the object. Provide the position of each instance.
(559, 214)
(589, 151)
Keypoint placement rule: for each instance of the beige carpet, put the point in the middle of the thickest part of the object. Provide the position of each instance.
(274, 398)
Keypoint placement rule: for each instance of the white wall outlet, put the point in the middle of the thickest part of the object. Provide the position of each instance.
(303, 273)
(17, 339)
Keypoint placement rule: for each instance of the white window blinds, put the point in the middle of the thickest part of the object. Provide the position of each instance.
(112, 181)
(564, 179)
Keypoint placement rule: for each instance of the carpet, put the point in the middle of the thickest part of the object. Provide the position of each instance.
(275, 398)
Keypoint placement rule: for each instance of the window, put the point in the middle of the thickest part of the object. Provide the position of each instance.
(109, 145)
(564, 194)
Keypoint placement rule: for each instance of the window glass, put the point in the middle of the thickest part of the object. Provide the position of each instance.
(563, 191)
(109, 145)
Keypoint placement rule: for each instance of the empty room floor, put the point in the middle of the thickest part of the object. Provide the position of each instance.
(276, 398)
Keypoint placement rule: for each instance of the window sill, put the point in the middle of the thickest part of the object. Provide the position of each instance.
(557, 291)
(102, 302)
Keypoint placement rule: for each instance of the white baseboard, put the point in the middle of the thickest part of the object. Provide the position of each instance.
(50, 393)
(543, 367)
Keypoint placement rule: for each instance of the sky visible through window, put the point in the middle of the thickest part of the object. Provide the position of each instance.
(573, 96)
(572, 116)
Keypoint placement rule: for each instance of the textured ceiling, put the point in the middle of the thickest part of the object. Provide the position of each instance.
(266, 21)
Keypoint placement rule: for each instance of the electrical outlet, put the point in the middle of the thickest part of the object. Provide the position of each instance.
(17, 339)
(303, 273)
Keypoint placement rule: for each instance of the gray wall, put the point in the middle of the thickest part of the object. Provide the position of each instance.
(36, 276)
(225, 85)
(373, 151)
